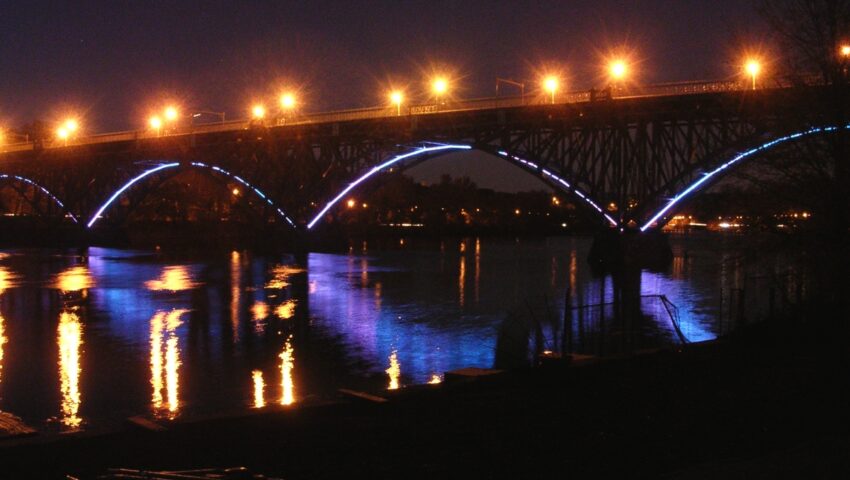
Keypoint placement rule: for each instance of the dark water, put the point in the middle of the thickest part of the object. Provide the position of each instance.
(90, 337)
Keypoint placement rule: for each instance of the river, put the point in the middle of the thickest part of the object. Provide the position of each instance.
(92, 336)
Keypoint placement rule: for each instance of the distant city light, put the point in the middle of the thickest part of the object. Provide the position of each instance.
(236, 191)
(845, 50)
(351, 203)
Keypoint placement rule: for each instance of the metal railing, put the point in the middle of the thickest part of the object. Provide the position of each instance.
(658, 90)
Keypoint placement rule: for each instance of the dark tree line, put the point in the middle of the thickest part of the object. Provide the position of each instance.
(810, 36)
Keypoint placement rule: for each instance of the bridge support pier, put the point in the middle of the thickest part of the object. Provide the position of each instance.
(614, 250)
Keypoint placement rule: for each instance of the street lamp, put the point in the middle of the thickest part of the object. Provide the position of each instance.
(71, 125)
(753, 67)
(287, 104)
(287, 101)
(845, 51)
(439, 86)
(67, 129)
(550, 84)
(396, 97)
(62, 133)
(156, 124)
(258, 112)
(618, 69)
(171, 113)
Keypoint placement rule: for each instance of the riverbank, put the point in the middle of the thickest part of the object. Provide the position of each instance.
(732, 406)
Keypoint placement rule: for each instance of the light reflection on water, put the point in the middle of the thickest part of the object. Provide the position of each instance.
(6, 279)
(259, 389)
(69, 339)
(394, 372)
(287, 363)
(3, 341)
(174, 278)
(355, 320)
(165, 358)
(74, 279)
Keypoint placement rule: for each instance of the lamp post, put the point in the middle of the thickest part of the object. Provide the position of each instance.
(519, 85)
(63, 134)
(550, 84)
(753, 67)
(67, 130)
(171, 115)
(439, 86)
(258, 112)
(396, 97)
(287, 105)
(156, 124)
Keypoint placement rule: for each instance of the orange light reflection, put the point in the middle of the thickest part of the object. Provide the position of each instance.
(69, 338)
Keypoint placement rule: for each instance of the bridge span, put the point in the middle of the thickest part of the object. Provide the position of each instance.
(628, 157)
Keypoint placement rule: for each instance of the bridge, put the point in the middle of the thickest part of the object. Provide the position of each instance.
(629, 157)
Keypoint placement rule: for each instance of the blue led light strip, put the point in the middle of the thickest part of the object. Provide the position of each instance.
(46, 192)
(164, 166)
(567, 187)
(706, 176)
(374, 170)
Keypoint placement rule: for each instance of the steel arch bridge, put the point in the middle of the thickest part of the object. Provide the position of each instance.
(630, 160)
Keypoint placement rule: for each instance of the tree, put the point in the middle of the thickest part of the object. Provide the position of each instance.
(812, 36)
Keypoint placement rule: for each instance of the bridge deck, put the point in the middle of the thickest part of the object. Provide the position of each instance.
(660, 90)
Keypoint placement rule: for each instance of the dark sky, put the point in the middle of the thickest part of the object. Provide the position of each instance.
(111, 61)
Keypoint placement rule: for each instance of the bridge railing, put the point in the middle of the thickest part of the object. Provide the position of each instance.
(657, 90)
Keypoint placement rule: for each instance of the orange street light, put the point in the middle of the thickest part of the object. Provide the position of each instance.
(156, 124)
(258, 112)
(63, 134)
(439, 86)
(618, 69)
(171, 113)
(753, 67)
(71, 125)
(397, 97)
(845, 51)
(287, 101)
(550, 84)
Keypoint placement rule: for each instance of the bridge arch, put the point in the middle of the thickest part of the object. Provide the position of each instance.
(217, 170)
(34, 184)
(718, 172)
(436, 150)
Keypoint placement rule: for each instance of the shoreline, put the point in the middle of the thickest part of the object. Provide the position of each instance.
(668, 412)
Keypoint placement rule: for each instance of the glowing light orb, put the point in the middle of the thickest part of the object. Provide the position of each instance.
(618, 69)
(287, 101)
(258, 111)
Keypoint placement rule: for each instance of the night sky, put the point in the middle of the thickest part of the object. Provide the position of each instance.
(111, 62)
